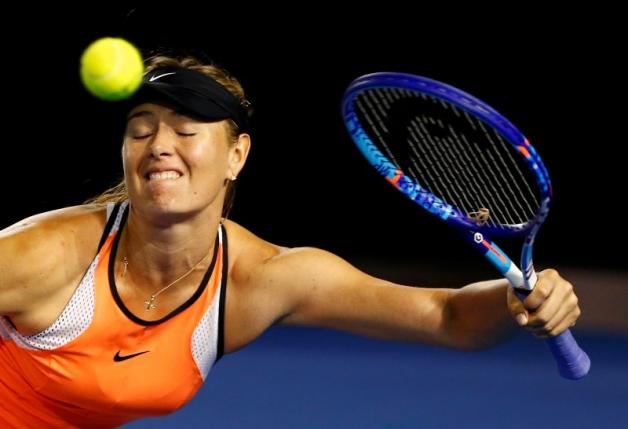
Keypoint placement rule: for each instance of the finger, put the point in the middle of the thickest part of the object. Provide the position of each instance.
(552, 320)
(538, 296)
(548, 310)
(543, 334)
(565, 314)
(567, 322)
(516, 308)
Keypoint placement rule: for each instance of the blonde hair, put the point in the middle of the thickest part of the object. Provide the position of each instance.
(118, 193)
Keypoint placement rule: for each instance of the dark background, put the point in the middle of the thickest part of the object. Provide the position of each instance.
(556, 75)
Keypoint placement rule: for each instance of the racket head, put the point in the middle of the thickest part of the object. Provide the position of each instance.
(376, 108)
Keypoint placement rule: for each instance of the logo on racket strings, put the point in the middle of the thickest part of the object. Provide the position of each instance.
(480, 217)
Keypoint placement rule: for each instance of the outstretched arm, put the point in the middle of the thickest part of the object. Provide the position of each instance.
(316, 288)
(334, 294)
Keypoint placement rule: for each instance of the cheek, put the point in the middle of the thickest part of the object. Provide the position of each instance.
(208, 174)
(129, 160)
(207, 161)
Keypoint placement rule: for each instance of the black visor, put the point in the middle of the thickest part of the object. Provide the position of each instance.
(195, 93)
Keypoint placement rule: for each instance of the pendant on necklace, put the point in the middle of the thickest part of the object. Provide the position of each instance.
(150, 303)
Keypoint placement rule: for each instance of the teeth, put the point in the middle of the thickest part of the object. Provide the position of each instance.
(164, 175)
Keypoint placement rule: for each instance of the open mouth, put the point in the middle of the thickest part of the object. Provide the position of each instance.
(163, 175)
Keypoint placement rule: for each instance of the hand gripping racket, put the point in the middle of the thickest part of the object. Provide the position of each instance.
(461, 160)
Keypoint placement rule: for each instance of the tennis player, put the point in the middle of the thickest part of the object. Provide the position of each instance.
(118, 309)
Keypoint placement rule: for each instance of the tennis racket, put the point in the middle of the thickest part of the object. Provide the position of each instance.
(461, 160)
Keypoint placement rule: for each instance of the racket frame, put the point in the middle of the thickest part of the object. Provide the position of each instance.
(573, 362)
(477, 236)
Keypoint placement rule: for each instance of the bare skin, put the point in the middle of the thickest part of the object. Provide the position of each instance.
(175, 170)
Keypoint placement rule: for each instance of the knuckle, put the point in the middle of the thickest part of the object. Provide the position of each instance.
(551, 272)
(568, 287)
(549, 327)
(542, 320)
(544, 290)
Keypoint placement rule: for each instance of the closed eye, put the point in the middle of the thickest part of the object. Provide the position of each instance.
(142, 136)
(187, 134)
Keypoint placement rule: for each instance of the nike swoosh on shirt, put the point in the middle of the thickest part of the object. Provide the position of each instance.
(118, 358)
(154, 78)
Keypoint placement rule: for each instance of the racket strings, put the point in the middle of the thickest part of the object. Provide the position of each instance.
(495, 180)
(449, 183)
(464, 173)
(473, 196)
(451, 154)
(376, 122)
(434, 171)
(504, 169)
(478, 177)
(445, 185)
(463, 164)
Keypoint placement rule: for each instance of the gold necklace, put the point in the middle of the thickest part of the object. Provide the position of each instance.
(150, 302)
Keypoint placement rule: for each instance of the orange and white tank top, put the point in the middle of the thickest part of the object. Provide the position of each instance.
(98, 365)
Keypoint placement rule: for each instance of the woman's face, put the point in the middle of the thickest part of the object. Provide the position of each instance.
(175, 165)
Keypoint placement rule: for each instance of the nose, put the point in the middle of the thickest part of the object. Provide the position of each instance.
(161, 144)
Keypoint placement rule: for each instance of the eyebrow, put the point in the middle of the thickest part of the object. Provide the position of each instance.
(143, 113)
(139, 114)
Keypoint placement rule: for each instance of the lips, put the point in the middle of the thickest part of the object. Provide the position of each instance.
(163, 173)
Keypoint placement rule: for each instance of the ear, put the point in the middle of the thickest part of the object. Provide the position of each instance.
(237, 155)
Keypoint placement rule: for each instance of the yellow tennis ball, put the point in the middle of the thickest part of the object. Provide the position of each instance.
(111, 68)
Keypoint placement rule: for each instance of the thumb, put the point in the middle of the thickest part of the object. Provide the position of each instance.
(516, 308)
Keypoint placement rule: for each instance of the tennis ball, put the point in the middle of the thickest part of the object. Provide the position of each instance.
(111, 68)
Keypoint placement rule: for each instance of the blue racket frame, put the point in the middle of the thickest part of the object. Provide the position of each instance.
(573, 363)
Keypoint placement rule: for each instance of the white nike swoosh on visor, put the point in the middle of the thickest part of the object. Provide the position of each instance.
(154, 78)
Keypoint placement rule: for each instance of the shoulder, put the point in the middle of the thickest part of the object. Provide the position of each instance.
(247, 251)
(270, 284)
(77, 222)
(255, 261)
(55, 246)
(259, 292)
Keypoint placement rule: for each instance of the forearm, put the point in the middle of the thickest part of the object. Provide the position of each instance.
(477, 315)
(333, 294)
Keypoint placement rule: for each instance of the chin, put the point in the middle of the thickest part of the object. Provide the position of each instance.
(168, 207)
(168, 211)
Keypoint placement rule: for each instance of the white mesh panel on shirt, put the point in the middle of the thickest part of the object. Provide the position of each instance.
(205, 337)
(76, 316)
(116, 225)
(73, 321)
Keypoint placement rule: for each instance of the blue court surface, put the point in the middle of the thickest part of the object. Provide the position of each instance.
(314, 378)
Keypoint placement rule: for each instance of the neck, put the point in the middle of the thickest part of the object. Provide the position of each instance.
(158, 254)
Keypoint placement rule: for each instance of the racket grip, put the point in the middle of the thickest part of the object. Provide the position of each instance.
(573, 362)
